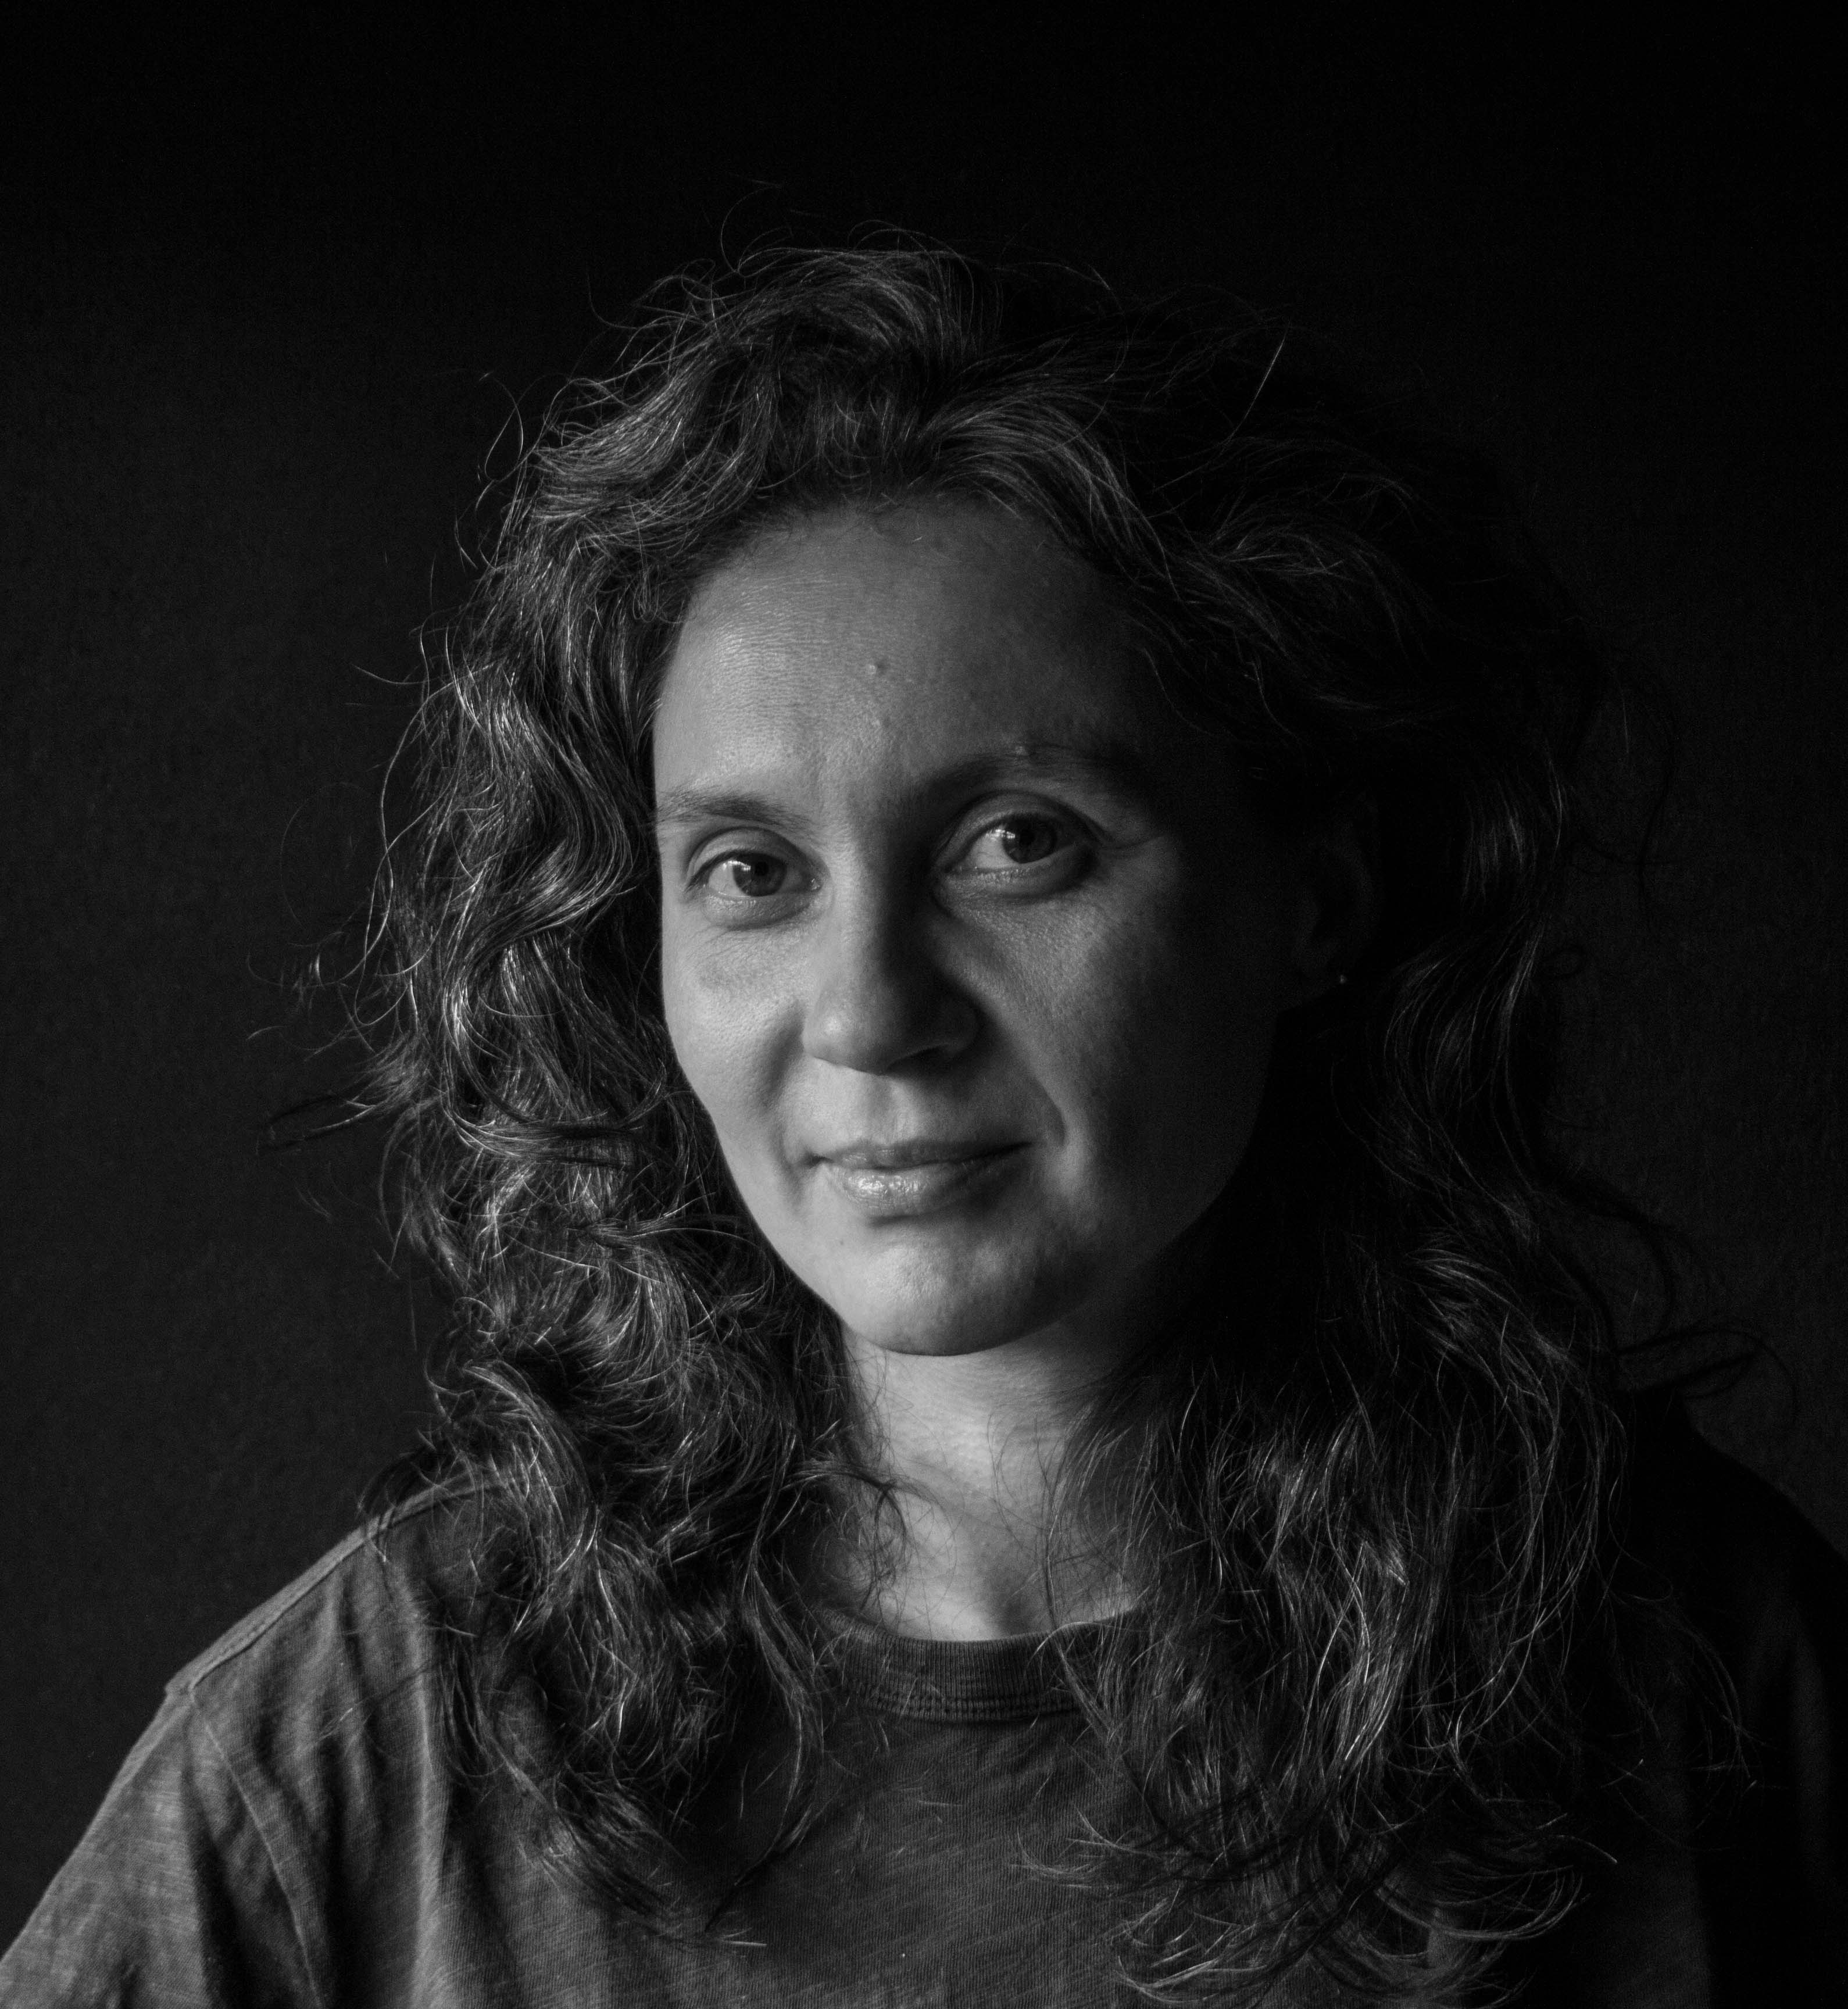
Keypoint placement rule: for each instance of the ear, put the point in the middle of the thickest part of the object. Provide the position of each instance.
(1338, 900)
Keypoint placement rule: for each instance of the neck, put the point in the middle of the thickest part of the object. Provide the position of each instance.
(991, 1542)
(973, 1445)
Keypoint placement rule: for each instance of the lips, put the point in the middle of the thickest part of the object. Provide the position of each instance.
(918, 1176)
(901, 1157)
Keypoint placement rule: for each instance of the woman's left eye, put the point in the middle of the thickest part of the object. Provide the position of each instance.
(1015, 841)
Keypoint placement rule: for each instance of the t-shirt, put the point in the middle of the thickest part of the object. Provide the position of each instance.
(289, 1831)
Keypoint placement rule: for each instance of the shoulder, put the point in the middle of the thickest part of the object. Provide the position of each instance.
(326, 1706)
(298, 1759)
(1768, 1596)
(1755, 1578)
(357, 1633)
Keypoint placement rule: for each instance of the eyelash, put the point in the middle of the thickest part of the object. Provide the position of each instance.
(703, 878)
(1063, 835)
(1065, 838)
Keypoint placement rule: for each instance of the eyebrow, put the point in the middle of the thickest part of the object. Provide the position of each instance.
(1119, 767)
(694, 804)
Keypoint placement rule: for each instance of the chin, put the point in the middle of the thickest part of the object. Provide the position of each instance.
(927, 1340)
(947, 1310)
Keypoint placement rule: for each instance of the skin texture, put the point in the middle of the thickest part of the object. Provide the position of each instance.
(974, 955)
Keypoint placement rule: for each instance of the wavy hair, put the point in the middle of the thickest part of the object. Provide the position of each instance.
(1364, 1508)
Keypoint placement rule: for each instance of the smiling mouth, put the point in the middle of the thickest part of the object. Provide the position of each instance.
(894, 1181)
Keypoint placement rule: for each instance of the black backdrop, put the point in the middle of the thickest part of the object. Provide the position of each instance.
(265, 319)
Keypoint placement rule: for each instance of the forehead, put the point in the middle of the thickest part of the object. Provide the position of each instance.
(886, 644)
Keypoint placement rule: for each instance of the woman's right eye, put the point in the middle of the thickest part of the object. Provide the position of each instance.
(745, 875)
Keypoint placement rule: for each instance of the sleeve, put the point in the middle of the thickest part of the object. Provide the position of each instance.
(1772, 1597)
(170, 1898)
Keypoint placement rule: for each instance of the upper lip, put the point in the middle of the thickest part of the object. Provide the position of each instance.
(866, 1156)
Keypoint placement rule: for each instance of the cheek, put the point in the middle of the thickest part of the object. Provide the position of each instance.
(721, 1034)
(1162, 1072)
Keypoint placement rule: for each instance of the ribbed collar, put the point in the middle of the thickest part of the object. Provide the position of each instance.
(959, 1681)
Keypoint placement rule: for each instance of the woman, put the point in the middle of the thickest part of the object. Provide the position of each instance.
(969, 1029)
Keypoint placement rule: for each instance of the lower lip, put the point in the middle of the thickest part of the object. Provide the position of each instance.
(897, 1192)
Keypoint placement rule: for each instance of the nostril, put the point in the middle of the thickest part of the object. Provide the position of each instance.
(879, 1000)
(872, 1031)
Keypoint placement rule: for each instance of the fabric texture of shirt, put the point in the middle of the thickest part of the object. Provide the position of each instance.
(288, 1831)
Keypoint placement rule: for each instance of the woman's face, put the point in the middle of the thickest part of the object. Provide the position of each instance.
(972, 952)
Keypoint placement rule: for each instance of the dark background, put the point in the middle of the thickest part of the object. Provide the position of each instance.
(269, 319)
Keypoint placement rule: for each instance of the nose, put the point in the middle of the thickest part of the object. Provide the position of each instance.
(878, 998)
